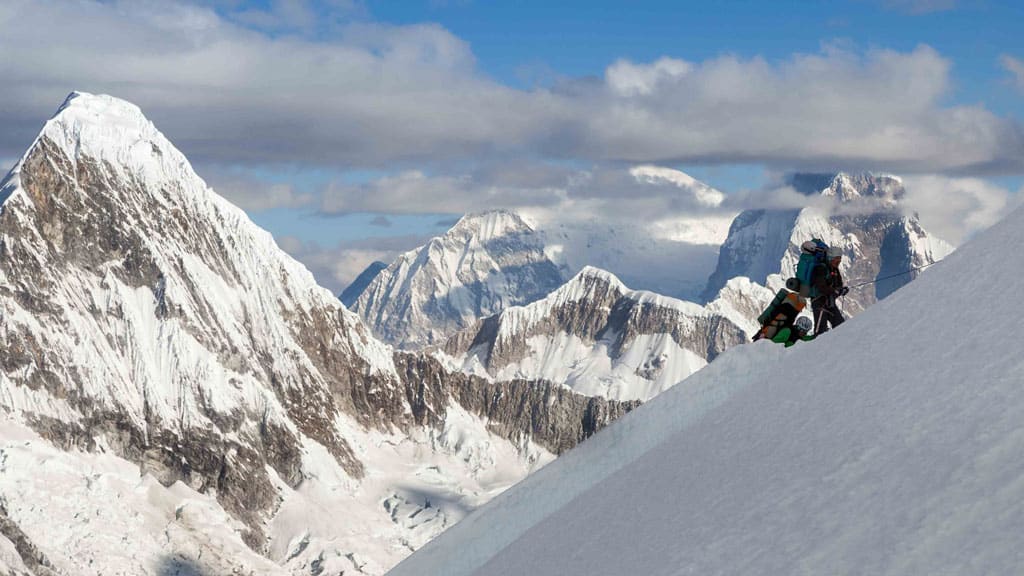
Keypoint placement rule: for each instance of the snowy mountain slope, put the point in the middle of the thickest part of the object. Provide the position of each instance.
(144, 318)
(902, 455)
(484, 264)
(599, 338)
(862, 215)
(500, 258)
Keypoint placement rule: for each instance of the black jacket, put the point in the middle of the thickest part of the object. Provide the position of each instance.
(827, 281)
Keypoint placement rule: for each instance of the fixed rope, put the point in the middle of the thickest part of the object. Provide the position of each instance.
(892, 275)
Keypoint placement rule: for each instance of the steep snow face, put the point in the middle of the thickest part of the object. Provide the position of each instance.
(599, 338)
(754, 248)
(864, 219)
(145, 318)
(485, 263)
(905, 459)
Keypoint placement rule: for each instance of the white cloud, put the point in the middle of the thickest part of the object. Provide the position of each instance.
(628, 79)
(253, 194)
(1015, 67)
(835, 110)
(956, 208)
(641, 193)
(656, 175)
(383, 96)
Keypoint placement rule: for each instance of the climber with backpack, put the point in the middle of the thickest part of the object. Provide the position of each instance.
(826, 287)
(818, 278)
(800, 330)
(780, 317)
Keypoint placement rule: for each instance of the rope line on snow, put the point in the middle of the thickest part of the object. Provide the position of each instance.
(892, 275)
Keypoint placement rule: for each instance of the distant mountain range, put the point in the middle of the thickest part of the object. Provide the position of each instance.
(599, 338)
(596, 336)
(890, 446)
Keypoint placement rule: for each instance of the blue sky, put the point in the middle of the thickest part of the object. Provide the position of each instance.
(354, 129)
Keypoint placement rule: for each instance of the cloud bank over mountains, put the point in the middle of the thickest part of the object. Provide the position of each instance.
(319, 86)
(374, 95)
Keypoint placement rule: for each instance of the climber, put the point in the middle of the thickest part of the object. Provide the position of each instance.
(780, 314)
(827, 286)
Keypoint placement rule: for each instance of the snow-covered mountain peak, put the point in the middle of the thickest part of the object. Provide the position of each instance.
(482, 265)
(112, 131)
(851, 188)
(863, 218)
(488, 225)
(589, 274)
(598, 337)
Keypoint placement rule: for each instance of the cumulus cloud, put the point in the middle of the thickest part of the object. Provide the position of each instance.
(375, 95)
(628, 79)
(293, 16)
(835, 110)
(956, 208)
(372, 95)
(1015, 67)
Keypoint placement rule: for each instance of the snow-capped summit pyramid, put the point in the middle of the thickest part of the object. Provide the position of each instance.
(485, 263)
(866, 221)
(196, 397)
(140, 308)
(599, 338)
(901, 455)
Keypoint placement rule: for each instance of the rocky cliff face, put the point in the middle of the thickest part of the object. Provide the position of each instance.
(599, 338)
(484, 264)
(143, 316)
(863, 215)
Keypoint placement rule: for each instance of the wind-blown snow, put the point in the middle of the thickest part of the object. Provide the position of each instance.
(892, 445)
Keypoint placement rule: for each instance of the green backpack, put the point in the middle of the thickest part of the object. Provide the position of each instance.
(812, 253)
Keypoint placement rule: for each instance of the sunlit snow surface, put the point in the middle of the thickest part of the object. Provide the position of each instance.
(893, 445)
(92, 513)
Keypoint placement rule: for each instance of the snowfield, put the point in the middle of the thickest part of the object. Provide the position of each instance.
(892, 445)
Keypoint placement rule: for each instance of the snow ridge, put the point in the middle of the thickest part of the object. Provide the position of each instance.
(599, 338)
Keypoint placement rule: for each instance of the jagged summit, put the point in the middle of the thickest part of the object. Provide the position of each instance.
(485, 263)
(849, 187)
(490, 224)
(595, 273)
(866, 221)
